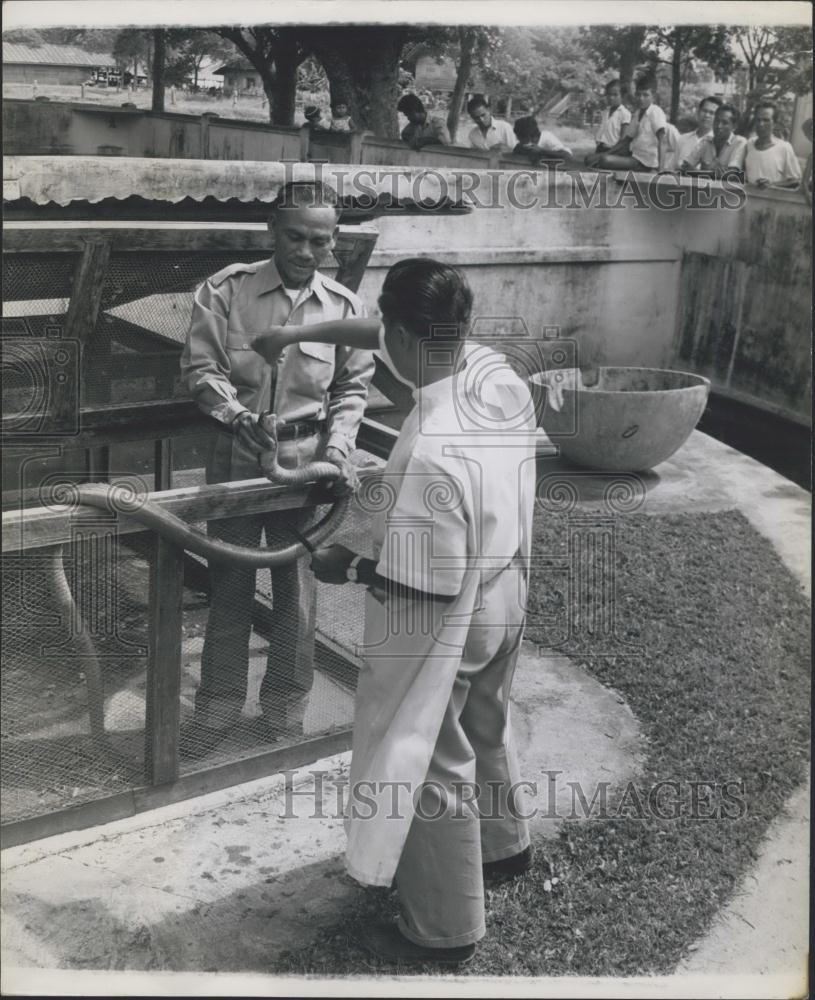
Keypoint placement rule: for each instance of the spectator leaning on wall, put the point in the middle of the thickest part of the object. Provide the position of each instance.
(421, 129)
(488, 132)
(722, 152)
(770, 160)
(536, 144)
(687, 142)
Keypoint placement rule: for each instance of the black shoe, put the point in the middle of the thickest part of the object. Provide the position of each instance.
(508, 868)
(386, 942)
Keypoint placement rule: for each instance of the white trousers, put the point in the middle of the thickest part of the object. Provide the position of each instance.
(439, 879)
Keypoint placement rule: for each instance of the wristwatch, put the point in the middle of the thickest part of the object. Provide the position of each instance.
(351, 571)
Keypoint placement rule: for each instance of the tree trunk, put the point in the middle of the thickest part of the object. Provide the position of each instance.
(629, 57)
(158, 69)
(281, 111)
(362, 66)
(465, 66)
(676, 72)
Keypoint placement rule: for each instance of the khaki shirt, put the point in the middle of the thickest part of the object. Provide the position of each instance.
(314, 381)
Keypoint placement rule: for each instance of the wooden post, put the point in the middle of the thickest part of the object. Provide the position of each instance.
(163, 465)
(80, 323)
(204, 120)
(355, 154)
(305, 140)
(163, 709)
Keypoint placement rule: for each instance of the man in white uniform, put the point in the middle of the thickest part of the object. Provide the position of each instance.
(433, 769)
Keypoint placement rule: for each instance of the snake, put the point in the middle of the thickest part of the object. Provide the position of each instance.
(137, 507)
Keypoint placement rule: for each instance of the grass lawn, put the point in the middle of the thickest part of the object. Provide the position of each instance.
(717, 673)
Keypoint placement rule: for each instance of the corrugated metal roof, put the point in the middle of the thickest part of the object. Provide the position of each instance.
(65, 179)
(54, 55)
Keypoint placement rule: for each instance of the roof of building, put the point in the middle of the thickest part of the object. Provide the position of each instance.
(53, 55)
(234, 66)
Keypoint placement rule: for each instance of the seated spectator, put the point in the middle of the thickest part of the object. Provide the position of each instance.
(313, 116)
(615, 116)
(722, 152)
(421, 130)
(488, 132)
(340, 119)
(538, 145)
(688, 141)
(769, 160)
(643, 145)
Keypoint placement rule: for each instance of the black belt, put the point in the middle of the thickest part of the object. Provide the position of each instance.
(301, 429)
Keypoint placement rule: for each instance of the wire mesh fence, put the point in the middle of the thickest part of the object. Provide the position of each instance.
(65, 655)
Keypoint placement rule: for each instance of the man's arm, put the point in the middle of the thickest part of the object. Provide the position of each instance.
(360, 332)
(205, 367)
(348, 394)
(330, 565)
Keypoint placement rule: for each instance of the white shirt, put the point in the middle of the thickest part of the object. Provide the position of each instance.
(687, 145)
(611, 125)
(463, 475)
(499, 131)
(645, 145)
(551, 144)
(731, 155)
(777, 164)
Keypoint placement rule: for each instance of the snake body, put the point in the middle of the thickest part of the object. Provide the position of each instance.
(119, 499)
(151, 515)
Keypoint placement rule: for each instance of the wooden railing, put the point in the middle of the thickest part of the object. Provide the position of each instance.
(45, 530)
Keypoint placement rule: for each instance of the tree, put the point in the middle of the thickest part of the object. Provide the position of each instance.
(685, 43)
(191, 46)
(362, 66)
(159, 42)
(617, 48)
(132, 47)
(778, 61)
(275, 53)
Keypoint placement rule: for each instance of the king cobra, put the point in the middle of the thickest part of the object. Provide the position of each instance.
(149, 514)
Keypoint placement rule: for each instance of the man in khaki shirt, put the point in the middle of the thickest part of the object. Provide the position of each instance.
(320, 392)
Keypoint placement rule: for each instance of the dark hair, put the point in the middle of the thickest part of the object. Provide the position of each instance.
(409, 103)
(612, 83)
(646, 83)
(709, 100)
(339, 101)
(767, 104)
(429, 297)
(305, 194)
(527, 128)
(477, 101)
(730, 109)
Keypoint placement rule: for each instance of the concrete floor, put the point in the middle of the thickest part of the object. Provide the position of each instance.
(224, 882)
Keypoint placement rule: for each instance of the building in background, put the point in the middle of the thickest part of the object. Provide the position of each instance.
(240, 76)
(54, 64)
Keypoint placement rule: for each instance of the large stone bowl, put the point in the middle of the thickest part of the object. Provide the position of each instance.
(622, 419)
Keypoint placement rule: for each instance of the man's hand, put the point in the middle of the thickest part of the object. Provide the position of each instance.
(329, 563)
(270, 345)
(250, 434)
(348, 481)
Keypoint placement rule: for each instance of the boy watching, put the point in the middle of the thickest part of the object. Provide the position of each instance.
(647, 132)
(615, 116)
(536, 144)
(688, 142)
(340, 119)
(420, 129)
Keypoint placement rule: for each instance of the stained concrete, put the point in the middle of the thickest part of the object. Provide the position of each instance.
(228, 880)
(224, 881)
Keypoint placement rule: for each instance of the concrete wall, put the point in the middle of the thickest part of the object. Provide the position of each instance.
(43, 128)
